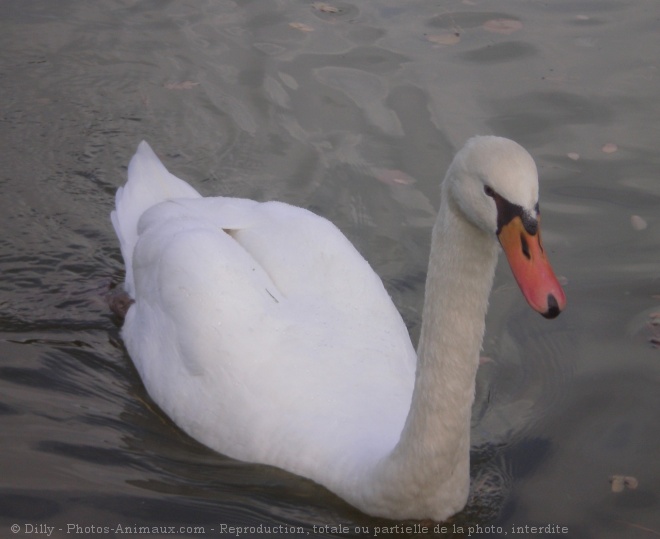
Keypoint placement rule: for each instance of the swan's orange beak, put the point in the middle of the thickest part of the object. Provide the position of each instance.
(531, 268)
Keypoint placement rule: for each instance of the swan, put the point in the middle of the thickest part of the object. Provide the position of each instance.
(262, 332)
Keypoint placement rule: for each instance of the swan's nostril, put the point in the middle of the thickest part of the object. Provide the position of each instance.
(525, 247)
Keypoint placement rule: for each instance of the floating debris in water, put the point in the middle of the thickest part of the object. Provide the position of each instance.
(393, 177)
(573, 155)
(301, 26)
(503, 26)
(325, 8)
(653, 325)
(184, 85)
(609, 148)
(621, 482)
(445, 38)
(637, 222)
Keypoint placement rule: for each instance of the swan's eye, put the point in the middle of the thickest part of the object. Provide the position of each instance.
(489, 191)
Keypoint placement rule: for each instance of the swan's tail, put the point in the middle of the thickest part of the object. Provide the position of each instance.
(149, 183)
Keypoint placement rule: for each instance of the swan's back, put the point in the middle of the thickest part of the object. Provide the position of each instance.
(259, 328)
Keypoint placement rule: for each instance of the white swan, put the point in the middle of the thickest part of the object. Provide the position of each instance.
(262, 332)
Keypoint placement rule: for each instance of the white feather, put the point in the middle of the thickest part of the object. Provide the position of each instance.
(262, 332)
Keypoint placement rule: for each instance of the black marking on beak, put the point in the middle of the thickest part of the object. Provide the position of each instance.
(553, 308)
(507, 211)
(530, 223)
(525, 246)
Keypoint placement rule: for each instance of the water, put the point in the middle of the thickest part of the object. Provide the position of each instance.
(356, 115)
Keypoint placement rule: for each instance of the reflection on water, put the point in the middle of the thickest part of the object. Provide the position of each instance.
(353, 112)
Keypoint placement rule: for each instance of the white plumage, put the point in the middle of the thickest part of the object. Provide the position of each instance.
(262, 332)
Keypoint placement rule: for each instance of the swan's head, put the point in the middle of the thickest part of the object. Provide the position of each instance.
(494, 182)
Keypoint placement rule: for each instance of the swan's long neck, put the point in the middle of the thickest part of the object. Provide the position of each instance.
(431, 460)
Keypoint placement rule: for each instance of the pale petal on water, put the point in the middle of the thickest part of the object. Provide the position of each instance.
(325, 8)
(609, 148)
(445, 38)
(621, 482)
(573, 155)
(653, 325)
(637, 222)
(301, 26)
(503, 26)
(393, 177)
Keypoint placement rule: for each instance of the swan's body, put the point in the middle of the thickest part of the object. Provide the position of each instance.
(263, 333)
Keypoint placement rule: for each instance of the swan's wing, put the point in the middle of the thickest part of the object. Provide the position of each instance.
(304, 255)
(263, 323)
